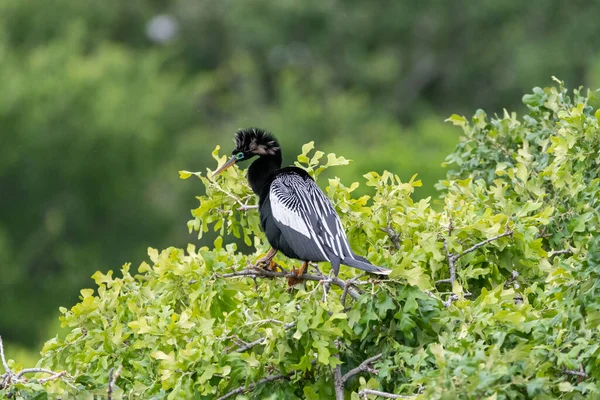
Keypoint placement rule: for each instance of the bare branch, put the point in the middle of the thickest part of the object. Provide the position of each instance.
(344, 293)
(250, 345)
(512, 281)
(580, 373)
(394, 237)
(4, 363)
(508, 232)
(363, 367)
(53, 377)
(33, 371)
(338, 380)
(559, 252)
(9, 376)
(261, 273)
(112, 379)
(244, 389)
(365, 392)
(245, 207)
(316, 267)
(451, 299)
(452, 258)
(229, 194)
(451, 265)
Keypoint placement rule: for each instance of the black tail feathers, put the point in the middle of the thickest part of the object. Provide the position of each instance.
(364, 265)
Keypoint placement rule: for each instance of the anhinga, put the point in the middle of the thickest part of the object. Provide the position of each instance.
(296, 216)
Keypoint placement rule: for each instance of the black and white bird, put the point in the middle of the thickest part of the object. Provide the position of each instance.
(296, 216)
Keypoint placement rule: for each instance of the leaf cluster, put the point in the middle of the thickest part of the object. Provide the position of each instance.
(494, 294)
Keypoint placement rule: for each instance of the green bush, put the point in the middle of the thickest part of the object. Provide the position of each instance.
(496, 295)
(95, 117)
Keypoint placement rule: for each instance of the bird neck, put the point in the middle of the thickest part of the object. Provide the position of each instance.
(260, 172)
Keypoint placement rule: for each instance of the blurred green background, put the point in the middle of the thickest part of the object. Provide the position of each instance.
(101, 103)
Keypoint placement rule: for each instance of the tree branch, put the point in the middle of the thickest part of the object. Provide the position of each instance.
(9, 376)
(452, 258)
(559, 252)
(579, 373)
(112, 379)
(247, 207)
(508, 232)
(262, 273)
(33, 371)
(252, 386)
(394, 237)
(229, 194)
(363, 367)
(338, 380)
(250, 345)
(365, 392)
(4, 363)
(451, 265)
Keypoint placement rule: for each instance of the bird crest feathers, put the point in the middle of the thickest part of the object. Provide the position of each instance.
(256, 141)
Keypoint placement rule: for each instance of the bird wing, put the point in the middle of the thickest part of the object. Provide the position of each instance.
(307, 218)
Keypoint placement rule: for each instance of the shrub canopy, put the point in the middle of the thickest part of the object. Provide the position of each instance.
(494, 291)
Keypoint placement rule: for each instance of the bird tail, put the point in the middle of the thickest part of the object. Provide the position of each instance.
(364, 265)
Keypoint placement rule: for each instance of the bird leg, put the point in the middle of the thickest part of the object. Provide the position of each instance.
(267, 261)
(294, 280)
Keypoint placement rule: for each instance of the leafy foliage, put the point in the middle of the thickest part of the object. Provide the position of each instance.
(519, 223)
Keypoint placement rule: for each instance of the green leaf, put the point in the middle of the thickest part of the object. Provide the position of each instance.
(185, 174)
(307, 148)
(457, 120)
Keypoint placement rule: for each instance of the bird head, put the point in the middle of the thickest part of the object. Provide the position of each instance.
(249, 143)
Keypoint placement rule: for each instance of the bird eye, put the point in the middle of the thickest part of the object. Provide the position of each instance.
(239, 155)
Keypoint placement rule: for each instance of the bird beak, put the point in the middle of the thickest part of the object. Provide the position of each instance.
(228, 164)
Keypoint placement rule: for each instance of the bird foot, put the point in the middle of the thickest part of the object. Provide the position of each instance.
(270, 266)
(267, 262)
(294, 280)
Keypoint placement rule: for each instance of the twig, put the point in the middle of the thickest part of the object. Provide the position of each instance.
(512, 281)
(229, 194)
(394, 237)
(451, 299)
(326, 287)
(508, 232)
(244, 389)
(363, 367)
(559, 252)
(247, 207)
(112, 379)
(365, 392)
(260, 273)
(33, 371)
(451, 264)
(580, 373)
(250, 345)
(316, 267)
(9, 376)
(53, 377)
(452, 258)
(338, 380)
(264, 321)
(344, 293)
(4, 363)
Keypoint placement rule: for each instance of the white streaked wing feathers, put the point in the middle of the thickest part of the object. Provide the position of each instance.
(301, 205)
(282, 206)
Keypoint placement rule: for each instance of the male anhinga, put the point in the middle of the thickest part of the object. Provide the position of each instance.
(296, 216)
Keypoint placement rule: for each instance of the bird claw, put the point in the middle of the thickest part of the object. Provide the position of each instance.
(268, 265)
(294, 280)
